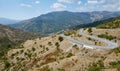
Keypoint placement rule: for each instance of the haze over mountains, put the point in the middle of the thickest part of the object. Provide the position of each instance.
(6, 21)
(60, 20)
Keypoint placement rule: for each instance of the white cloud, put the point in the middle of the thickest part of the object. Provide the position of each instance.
(100, 5)
(79, 2)
(66, 1)
(70, 1)
(25, 5)
(92, 1)
(59, 6)
(110, 7)
(37, 2)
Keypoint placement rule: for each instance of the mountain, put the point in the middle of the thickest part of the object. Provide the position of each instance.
(110, 23)
(106, 23)
(10, 38)
(60, 20)
(6, 21)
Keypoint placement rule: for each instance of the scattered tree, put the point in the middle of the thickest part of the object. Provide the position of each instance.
(89, 30)
(60, 38)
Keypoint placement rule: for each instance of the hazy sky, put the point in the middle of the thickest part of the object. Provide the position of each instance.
(24, 9)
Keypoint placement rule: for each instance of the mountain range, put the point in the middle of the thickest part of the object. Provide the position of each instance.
(106, 23)
(55, 21)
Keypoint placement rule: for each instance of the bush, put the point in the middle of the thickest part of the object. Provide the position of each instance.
(7, 64)
(33, 49)
(89, 30)
(61, 69)
(70, 32)
(110, 37)
(117, 50)
(49, 43)
(69, 55)
(21, 51)
(76, 47)
(97, 66)
(115, 65)
(94, 68)
(60, 38)
(89, 38)
(57, 44)
(47, 49)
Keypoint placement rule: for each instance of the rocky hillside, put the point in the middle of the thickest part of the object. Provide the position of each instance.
(10, 37)
(50, 54)
(56, 21)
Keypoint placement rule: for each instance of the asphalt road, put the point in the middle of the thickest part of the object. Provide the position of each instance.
(110, 44)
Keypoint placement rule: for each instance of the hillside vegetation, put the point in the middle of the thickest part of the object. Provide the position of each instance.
(9, 38)
(113, 23)
(49, 54)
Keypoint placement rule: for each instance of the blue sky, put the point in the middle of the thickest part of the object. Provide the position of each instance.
(25, 9)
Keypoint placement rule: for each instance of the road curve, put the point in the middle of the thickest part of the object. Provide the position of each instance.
(110, 44)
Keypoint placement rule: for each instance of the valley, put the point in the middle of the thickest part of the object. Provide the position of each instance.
(92, 47)
(58, 53)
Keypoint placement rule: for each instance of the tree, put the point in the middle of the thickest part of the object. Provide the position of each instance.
(89, 30)
(33, 49)
(69, 55)
(60, 38)
(57, 45)
(49, 43)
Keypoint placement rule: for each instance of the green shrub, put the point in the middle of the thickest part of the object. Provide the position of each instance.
(21, 51)
(70, 32)
(69, 55)
(61, 69)
(117, 50)
(47, 49)
(49, 43)
(89, 38)
(33, 49)
(94, 68)
(115, 65)
(57, 44)
(7, 64)
(60, 38)
(109, 37)
(76, 47)
(89, 30)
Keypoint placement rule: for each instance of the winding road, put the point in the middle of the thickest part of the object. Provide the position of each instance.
(110, 44)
